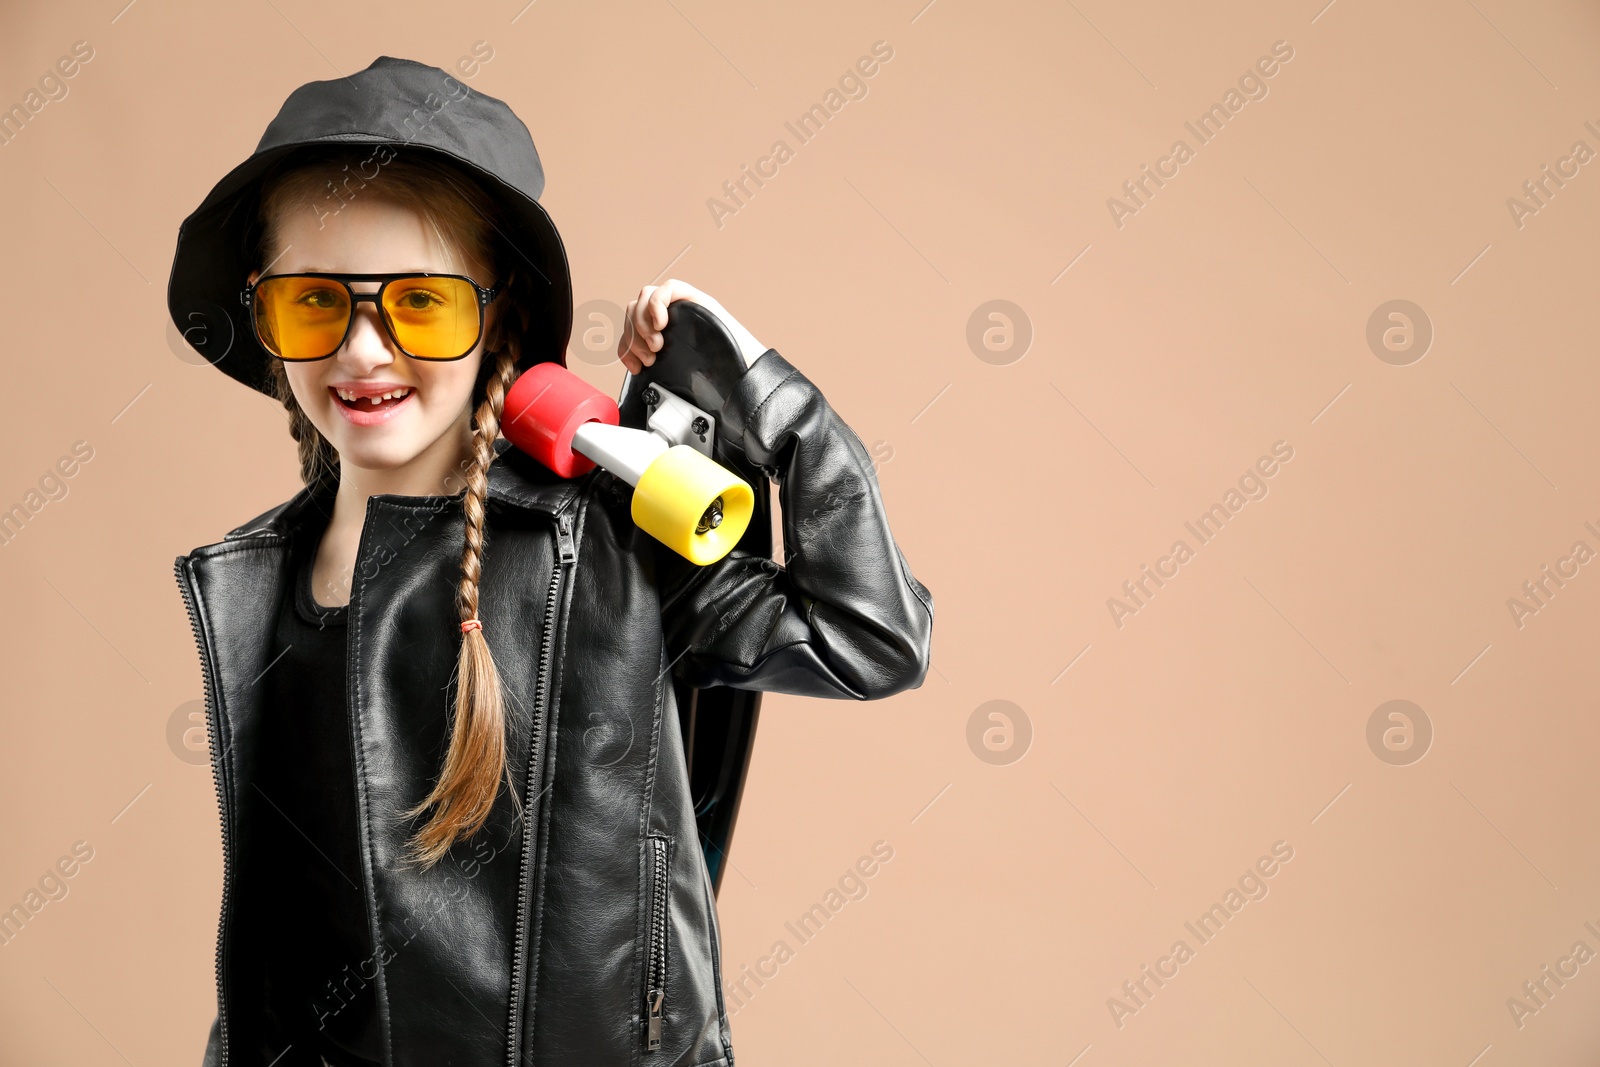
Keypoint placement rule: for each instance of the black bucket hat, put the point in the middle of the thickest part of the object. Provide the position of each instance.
(413, 108)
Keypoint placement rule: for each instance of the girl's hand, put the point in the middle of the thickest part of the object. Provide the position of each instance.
(646, 316)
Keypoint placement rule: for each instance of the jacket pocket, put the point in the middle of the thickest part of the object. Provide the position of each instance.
(657, 855)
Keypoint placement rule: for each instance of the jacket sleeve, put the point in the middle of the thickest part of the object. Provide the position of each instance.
(841, 615)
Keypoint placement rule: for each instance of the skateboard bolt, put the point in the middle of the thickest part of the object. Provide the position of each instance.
(700, 425)
(651, 397)
(711, 518)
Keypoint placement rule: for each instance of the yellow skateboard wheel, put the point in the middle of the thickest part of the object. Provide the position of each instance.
(692, 504)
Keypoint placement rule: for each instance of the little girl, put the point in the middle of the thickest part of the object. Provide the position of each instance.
(435, 614)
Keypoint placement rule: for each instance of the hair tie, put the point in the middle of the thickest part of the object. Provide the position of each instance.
(471, 624)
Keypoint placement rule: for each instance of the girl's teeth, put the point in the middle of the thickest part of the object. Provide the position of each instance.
(398, 394)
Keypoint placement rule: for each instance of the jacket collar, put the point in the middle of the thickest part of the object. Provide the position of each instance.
(515, 480)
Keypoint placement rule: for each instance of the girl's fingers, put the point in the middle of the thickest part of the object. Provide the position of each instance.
(659, 300)
(647, 339)
(632, 349)
(646, 316)
(644, 320)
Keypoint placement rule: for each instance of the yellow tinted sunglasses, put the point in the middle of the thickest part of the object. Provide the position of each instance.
(308, 316)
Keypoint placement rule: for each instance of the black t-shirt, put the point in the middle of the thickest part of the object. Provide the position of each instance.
(319, 959)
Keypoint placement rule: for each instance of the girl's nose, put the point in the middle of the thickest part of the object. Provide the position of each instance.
(368, 346)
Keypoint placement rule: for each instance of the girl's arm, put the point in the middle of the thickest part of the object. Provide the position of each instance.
(842, 616)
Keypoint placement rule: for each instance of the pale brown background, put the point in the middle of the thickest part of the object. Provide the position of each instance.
(1226, 315)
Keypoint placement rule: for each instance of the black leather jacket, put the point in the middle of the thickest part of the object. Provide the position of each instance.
(531, 943)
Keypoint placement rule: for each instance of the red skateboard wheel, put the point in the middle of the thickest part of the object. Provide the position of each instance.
(543, 410)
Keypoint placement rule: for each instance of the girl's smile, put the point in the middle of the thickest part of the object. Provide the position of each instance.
(370, 403)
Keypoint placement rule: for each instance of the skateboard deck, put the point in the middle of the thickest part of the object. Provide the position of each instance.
(699, 361)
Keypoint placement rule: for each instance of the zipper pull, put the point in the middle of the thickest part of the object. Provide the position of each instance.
(654, 1002)
(564, 539)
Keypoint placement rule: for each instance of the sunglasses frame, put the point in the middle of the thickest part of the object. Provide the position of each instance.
(485, 298)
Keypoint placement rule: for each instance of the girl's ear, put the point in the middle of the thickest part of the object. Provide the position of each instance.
(250, 279)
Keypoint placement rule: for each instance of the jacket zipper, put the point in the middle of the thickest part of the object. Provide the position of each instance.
(567, 554)
(214, 725)
(656, 959)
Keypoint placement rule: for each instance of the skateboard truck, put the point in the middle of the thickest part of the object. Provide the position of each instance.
(627, 454)
(682, 496)
(679, 421)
